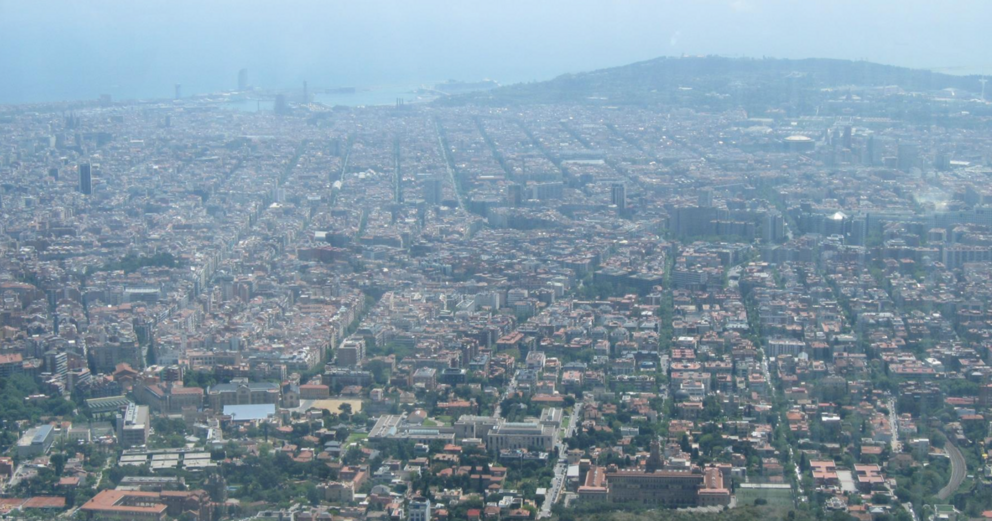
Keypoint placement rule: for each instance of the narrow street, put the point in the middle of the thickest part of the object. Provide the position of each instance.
(958, 470)
(561, 467)
(894, 424)
(448, 164)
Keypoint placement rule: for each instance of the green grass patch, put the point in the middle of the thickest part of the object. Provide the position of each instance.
(774, 497)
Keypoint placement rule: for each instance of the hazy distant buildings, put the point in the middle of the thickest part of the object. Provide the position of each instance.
(433, 191)
(515, 195)
(85, 179)
(957, 255)
(243, 80)
(281, 106)
(547, 191)
(694, 220)
(873, 151)
(942, 161)
(258, 249)
(773, 229)
(618, 196)
(907, 156)
(705, 198)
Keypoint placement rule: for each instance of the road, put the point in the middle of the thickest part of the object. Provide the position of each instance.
(772, 389)
(510, 389)
(448, 164)
(958, 470)
(801, 496)
(561, 468)
(15, 478)
(894, 425)
(909, 508)
(769, 386)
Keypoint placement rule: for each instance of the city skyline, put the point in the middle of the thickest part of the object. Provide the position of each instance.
(661, 284)
(131, 51)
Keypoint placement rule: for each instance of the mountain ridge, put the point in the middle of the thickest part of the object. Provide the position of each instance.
(661, 79)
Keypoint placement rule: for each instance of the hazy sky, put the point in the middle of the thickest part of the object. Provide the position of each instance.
(73, 49)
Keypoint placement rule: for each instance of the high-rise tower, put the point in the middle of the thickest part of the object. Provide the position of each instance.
(85, 179)
(618, 196)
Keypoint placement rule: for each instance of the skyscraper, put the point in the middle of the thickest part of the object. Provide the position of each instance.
(179, 91)
(433, 190)
(85, 179)
(942, 161)
(515, 194)
(907, 156)
(705, 198)
(243, 80)
(281, 107)
(773, 229)
(618, 196)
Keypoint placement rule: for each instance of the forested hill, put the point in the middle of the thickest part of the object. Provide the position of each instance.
(717, 80)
